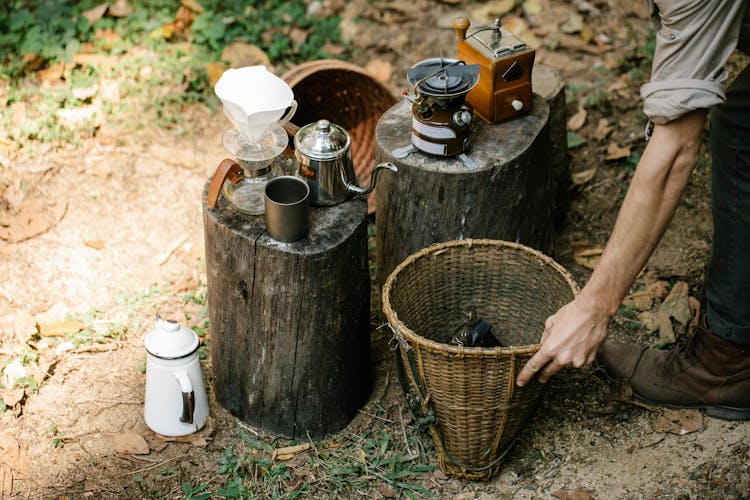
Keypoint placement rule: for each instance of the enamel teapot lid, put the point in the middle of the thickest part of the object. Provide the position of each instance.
(170, 340)
(322, 140)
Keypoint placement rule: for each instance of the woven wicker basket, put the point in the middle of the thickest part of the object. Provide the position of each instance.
(467, 395)
(347, 95)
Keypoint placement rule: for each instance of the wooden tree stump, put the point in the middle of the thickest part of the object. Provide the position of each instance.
(290, 323)
(548, 83)
(510, 196)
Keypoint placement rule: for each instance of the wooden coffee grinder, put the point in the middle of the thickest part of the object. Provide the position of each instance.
(505, 63)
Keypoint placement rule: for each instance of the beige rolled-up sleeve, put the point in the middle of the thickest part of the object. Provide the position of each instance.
(694, 40)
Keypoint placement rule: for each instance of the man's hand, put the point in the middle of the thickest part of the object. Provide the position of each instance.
(572, 335)
(571, 338)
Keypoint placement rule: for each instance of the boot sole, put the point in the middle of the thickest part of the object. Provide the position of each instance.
(716, 411)
(722, 412)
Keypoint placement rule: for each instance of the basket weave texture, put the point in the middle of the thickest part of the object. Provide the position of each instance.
(347, 95)
(470, 391)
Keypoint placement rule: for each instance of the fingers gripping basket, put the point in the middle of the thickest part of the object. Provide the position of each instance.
(467, 396)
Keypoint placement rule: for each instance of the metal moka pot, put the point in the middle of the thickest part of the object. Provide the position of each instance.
(322, 156)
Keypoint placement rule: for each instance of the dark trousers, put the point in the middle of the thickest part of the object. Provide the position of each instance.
(727, 284)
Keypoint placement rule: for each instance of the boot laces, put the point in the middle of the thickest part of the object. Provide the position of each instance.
(685, 345)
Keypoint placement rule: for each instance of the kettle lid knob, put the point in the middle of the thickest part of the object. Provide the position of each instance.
(170, 340)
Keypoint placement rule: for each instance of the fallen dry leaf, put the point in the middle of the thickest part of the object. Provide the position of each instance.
(120, 8)
(587, 34)
(659, 289)
(239, 54)
(572, 24)
(589, 257)
(12, 455)
(519, 27)
(491, 10)
(387, 491)
(95, 60)
(6, 481)
(60, 328)
(641, 301)
(676, 421)
(84, 93)
(658, 320)
(130, 443)
(577, 121)
(288, 452)
(695, 308)
(577, 494)
(531, 7)
(677, 305)
(110, 91)
(615, 152)
(380, 69)
(52, 73)
(603, 129)
(93, 15)
(95, 244)
(13, 397)
(215, 70)
(24, 326)
(581, 178)
(193, 5)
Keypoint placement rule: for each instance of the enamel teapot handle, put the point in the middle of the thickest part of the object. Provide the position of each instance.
(188, 397)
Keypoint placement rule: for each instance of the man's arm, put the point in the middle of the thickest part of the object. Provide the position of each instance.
(573, 334)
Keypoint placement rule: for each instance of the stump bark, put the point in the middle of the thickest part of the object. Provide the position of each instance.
(548, 83)
(290, 343)
(510, 196)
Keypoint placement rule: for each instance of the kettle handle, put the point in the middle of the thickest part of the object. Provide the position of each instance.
(227, 169)
(188, 397)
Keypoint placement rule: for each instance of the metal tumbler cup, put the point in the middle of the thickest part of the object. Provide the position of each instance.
(287, 208)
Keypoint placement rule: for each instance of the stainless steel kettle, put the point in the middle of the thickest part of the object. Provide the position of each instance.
(322, 156)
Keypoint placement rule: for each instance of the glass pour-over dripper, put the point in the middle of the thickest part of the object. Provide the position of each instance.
(256, 160)
(257, 104)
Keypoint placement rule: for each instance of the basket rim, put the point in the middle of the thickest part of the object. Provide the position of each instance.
(298, 73)
(398, 326)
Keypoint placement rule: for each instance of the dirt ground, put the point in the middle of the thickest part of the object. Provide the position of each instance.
(121, 238)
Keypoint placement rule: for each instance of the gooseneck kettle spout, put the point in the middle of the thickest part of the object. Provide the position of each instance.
(352, 187)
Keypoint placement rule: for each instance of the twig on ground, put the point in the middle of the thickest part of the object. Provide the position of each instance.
(154, 466)
(654, 443)
(376, 416)
(403, 431)
(163, 258)
(248, 429)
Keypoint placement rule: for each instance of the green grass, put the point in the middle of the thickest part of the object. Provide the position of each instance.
(157, 74)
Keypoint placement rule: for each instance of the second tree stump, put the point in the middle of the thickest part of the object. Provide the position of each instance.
(510, 196)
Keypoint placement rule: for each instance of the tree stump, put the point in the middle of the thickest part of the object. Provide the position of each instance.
(434, 199)
(290, 322)
(548, 83)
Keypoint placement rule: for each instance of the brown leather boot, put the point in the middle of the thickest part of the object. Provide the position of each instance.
(705, 371)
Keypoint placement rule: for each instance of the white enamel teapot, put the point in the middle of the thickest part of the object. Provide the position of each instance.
(176, 402)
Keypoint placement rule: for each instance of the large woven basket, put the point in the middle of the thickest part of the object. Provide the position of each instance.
(467, 396)
(347, 95)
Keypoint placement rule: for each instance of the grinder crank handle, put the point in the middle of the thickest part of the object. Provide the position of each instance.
(461, 26)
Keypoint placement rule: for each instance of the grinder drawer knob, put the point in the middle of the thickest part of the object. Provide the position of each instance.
(517, 105)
